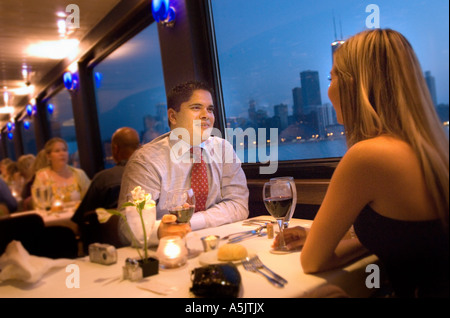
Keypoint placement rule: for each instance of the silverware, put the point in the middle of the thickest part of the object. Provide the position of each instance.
(256, 261)
(257, 222)
(251, 268)
(247, 234)
(244, 232)
(244, 237)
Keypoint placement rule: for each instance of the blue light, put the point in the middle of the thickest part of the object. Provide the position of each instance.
(9, 125)
(160, 9)
(171, 15)
(10, 135)
(98, 79)
(26, 124)
(75, 81)
(50, 108)
(29, 110)
(67, 78)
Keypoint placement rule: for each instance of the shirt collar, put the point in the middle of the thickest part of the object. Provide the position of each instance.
(179, 147)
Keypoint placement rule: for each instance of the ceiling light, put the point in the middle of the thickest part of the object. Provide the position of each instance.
(23, 90)
(6, 110)
(56, 50)
(6, 97)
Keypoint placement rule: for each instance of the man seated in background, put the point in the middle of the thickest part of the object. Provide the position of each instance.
(105, 186)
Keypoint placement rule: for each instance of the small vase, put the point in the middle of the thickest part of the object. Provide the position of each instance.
(150, 267)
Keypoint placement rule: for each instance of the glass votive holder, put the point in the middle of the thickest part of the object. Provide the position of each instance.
(171, 252)
(57, 205)
(210, 242)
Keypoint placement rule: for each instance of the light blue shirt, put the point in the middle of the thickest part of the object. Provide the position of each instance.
(165, 164)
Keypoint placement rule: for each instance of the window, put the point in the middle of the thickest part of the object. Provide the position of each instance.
(60, 116)
(8, 138)
(28, 137)
(275, 59)
(130, 90)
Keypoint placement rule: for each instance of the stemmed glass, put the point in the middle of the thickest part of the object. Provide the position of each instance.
(278, 196)
(43, 197)
(288, 216)
(181, 203)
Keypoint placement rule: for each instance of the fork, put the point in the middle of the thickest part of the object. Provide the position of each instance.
(251, 268)
(256, 261)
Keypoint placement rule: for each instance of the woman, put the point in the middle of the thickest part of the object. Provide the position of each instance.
(68, 183)
(393, 182)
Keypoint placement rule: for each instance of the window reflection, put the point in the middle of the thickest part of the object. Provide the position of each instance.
(62, 123)
(28, 137)
(130, 90)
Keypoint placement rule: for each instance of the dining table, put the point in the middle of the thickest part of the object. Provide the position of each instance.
(93, 280)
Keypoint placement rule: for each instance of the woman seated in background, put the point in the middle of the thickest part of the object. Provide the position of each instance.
(69, 184)
(392, 185)
(39, 163)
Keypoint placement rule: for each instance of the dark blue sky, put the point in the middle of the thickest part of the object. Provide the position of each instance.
(264, 44)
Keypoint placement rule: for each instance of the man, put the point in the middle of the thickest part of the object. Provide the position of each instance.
(104, 189)
(166, 163)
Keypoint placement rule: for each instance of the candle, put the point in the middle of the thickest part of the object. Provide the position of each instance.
(171, 252)
(57, 205)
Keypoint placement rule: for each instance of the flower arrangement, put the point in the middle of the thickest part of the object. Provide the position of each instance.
(141, 201)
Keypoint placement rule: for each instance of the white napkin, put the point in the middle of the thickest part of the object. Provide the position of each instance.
(17, 263)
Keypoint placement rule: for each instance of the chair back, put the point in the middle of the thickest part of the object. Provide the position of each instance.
(27, 228)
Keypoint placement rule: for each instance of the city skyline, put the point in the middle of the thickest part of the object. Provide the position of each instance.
(260, 59)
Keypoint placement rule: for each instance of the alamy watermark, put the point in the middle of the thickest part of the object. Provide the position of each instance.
(73, 19)
(373, 19)
(258, 142)
(373, 279)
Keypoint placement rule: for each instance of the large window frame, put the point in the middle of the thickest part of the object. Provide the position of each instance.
(299, 169)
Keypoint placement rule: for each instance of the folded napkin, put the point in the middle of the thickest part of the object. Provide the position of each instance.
(17, 263)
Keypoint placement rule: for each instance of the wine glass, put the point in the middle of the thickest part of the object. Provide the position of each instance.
(278, 196)
(181, 203)
(288, 216)
(42, 197)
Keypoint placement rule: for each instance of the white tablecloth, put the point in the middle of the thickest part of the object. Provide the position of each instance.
(97, 280)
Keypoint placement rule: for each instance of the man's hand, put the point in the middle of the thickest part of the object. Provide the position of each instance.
(169, 227)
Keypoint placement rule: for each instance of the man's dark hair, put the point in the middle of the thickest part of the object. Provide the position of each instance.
(183, 92)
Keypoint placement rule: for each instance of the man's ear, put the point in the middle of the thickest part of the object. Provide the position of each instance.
(171, 114)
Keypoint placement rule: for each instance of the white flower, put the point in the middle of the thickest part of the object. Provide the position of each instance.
(102, 215)
(139, 195)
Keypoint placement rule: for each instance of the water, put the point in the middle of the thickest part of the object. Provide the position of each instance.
(316, 149)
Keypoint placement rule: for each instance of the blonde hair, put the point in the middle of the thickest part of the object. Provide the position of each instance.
(25, 165)
(49, 144)
(383, 91)
(40, 161)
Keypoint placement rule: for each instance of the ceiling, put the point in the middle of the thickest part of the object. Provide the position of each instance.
(24, 23)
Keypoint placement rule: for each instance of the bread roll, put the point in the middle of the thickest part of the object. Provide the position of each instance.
(231, 252)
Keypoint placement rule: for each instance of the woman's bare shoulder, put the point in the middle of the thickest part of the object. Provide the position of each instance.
(382, 149)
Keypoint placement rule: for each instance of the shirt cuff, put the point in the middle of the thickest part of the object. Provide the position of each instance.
(198, 221)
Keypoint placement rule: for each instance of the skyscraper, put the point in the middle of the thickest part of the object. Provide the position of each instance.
(336, 43)
(310, 90)
(298, 102)
(334, 46)
(431, 86)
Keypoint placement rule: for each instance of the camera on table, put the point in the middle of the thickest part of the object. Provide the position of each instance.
(105, 254)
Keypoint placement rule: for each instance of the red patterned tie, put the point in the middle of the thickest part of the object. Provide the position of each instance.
(199, 179)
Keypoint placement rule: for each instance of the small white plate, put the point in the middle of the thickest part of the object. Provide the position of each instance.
(210, 258)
